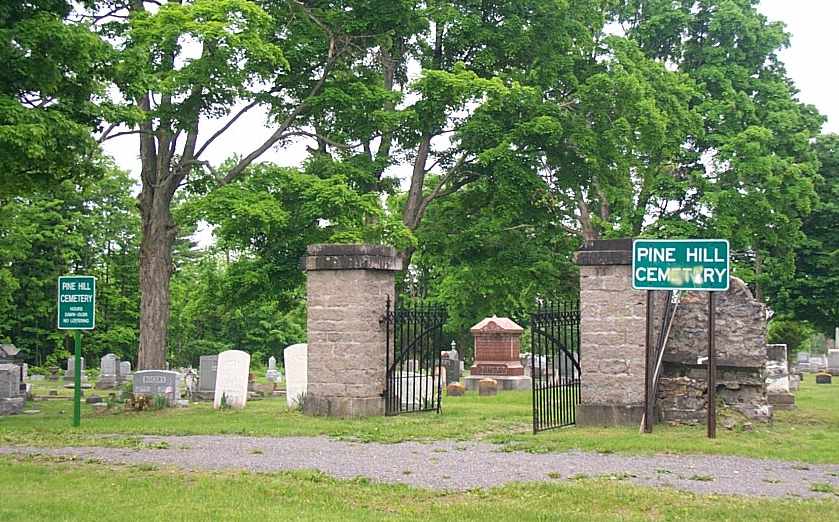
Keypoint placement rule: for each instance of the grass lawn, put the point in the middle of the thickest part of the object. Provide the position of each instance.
(59, 490)
(810, 433)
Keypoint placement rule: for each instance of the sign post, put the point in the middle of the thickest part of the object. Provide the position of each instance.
(681, 264)
(77, 312)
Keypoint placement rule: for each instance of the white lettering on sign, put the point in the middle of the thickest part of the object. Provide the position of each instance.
(698, 275)
(665, 255)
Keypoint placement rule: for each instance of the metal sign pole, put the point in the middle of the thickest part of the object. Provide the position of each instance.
(77, 375)
(648, 378)
(712, 367)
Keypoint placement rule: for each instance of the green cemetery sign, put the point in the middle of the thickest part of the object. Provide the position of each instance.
(680, 264)
(76, 302)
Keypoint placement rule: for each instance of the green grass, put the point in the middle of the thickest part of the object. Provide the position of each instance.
(809, 433)
(82, 491)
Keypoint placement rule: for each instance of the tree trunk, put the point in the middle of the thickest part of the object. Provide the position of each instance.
(155, 273)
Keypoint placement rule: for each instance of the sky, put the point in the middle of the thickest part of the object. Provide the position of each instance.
(814, 40)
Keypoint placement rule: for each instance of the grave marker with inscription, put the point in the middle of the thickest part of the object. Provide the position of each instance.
(151, 383)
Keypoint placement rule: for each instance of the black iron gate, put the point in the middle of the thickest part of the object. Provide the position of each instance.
(555, 364)
(413, 380)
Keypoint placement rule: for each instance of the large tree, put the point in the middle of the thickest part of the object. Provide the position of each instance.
(180, 64)
(809, 294)
(51, 82)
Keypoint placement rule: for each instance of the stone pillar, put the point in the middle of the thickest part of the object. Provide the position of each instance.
(347, 288)
(612, 336)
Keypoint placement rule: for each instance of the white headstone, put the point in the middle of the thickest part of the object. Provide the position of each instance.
(232, 379)
(124, 369)
(833, 360)
(273, 375)
(108, 365)
(296, 359)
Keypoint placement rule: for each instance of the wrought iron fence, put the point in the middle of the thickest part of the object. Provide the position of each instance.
(413, 381)
(555, 364)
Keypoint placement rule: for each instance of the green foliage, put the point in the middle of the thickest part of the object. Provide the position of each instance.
(88, 227)
(810, 292)
(52, 78)
(790, 332)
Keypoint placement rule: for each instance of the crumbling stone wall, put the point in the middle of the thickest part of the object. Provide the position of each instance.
(741, 357)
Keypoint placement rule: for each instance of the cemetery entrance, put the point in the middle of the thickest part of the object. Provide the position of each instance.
(413, 381)
(555, 365)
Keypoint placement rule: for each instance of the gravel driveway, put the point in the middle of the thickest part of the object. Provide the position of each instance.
(448, 465)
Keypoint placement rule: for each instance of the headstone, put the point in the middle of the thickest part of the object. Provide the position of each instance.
(151, 383)
(455, 390)
(191, 380)
(451, 362)
(487, 387)
(273, 375)
(818, 363)
(778, 389)
(124, 370)
(497, 348)
(207, 369)
(70, 375)
(108, 372)
(295, 360)
(823, 378)
(25, 373)
(833, 362)
(232, 379)
(11, 400)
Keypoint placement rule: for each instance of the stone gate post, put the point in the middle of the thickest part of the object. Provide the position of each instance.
(347, 288)
(612, 336)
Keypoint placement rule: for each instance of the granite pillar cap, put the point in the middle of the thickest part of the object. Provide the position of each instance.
(605, 252)
(351, 257)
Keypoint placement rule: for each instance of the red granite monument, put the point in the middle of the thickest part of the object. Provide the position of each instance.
(497, 345)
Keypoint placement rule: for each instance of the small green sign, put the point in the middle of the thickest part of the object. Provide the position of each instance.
(680, 264)
(76, 302)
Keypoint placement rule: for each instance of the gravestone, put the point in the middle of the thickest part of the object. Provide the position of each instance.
(497, 347)
(232, 379)
(818, 363)
(150, 383)
(24, 373)
(451, 363)
(455, 389)
(207, 369)
(487, 387)
(823, 378)
(295, 359)
(70, 375)
(11, 400)
(124, 370)
(778, 389)
(108, 372)
(802, 361)
(833, 362)
(273, 375)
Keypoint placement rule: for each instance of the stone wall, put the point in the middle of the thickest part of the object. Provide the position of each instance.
(741, 357)
(612, 336)
(613, 346)
(347, 289)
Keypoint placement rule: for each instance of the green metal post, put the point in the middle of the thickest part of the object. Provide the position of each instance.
(77, 395)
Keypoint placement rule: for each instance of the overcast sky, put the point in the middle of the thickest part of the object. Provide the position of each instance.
(815, 39)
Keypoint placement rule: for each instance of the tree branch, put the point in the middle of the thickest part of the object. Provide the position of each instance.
(226, 126)
(237, 170)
